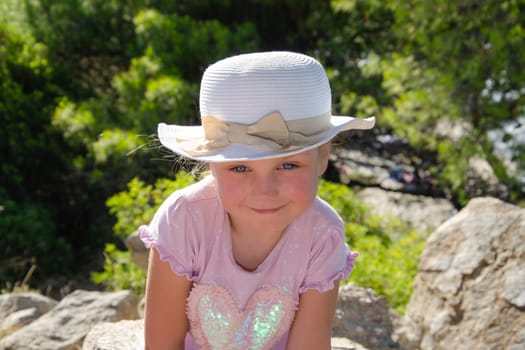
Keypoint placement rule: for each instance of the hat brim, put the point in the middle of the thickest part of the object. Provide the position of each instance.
(169, 136)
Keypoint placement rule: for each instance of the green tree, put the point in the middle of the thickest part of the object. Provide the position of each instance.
(27, 202)
(477, 47)
(449, 64)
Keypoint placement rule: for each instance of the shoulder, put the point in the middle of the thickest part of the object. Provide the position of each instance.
(193, 206)
(324, 225)
(182, 226)
(319, 223)
(323, 213)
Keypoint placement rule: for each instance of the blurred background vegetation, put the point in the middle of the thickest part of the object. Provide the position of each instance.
(83, 84)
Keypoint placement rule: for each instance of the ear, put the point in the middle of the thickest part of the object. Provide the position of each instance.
(324, 154)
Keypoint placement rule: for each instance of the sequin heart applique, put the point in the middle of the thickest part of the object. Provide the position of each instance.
(218, 324)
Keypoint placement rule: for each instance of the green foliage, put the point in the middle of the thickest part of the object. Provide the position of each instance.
(357, 217)
(478, 45)
(389, 249)
(83, 84)
(23, 113)
(420, 100)
(115, 141)
(88, 40)
(167, 37)
(75, 122)
(120, 272)
(389, 269)
(28, 240)
(147, 96)
(477, 48)
(133, 208)
(137, 205)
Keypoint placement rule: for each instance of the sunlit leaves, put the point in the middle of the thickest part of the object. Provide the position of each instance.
(473, 42)
(145, 96)
(76, 123)
(364, 105)
(119, 272)
(136, 206)
(115, 143)
(185, 46)
(389, 249)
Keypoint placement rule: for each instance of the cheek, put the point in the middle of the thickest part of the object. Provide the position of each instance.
(303, 189)
(229, 191)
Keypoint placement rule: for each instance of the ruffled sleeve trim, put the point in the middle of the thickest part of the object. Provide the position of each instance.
(328, 284)
(147, 237)
(151, 240)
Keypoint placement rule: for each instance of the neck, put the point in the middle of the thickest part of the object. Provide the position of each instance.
(251, 247)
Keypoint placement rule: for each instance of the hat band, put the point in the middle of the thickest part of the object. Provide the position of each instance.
(271, 132)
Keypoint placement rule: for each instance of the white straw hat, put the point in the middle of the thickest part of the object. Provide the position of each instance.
(260, 105)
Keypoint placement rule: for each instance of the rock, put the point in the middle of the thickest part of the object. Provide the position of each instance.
(358, 166)
(122, 335)
(20, 309)
(139, 253)
(469, 292)
(421, 212)
(363, 317)
(65, 326)
(482, 181)
(376, 159)
(18, 319)
(345, 344)
(13, 302)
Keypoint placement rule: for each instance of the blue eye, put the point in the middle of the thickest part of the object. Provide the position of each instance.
(288, 166)
(239, 168)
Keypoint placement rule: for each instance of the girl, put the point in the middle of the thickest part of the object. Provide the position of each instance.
(249, 257)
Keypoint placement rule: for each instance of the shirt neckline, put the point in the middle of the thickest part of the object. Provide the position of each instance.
(263, 265)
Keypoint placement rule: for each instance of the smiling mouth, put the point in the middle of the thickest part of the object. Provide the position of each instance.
(267, 210)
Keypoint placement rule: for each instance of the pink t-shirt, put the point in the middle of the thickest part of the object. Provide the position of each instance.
(229, 307)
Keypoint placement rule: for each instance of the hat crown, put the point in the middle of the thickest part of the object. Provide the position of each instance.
(243, 88)
(259, 106)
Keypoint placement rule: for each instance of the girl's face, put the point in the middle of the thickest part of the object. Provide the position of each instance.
(267, 195)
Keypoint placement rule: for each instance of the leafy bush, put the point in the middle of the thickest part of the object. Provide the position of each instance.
(389, 250)
(138, 204)
(185, 45)
(120, 272)
(133, 208)
(29, 242)
(389, 269)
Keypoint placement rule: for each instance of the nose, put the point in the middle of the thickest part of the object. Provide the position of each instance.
(265, 185)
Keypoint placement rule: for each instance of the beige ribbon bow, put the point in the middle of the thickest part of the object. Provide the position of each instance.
(271, 132)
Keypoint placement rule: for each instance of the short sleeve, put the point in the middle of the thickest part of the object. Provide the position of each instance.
(172, 232)
(330, 259)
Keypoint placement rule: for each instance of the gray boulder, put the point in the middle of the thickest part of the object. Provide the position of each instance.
(122, 335)
(364, 317)
(19, 309)
(66, 325)
(139, 253)
(469, 292)
(421, 212)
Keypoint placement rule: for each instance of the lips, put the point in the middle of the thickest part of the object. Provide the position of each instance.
(267, 210)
